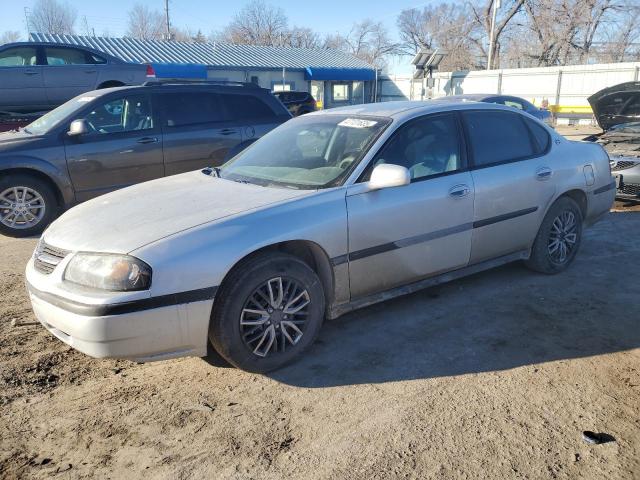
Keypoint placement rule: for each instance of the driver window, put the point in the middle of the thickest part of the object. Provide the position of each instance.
(121, 115)
(426, 147)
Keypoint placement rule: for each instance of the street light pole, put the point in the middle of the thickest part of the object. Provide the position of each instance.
(496, 5)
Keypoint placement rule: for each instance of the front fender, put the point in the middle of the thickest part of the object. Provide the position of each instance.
(58, 175)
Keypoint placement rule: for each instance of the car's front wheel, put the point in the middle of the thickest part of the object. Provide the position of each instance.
(27, 205)
(558, 239)
(267, 312)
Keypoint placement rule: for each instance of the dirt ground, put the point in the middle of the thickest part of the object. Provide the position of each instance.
(493, 376)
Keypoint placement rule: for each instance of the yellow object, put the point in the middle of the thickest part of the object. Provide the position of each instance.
(319, 104)
(570, 109)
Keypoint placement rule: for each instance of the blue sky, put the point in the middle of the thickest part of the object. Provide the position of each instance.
(326, 16)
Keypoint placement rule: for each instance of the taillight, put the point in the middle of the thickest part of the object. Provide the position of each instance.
(151, 73)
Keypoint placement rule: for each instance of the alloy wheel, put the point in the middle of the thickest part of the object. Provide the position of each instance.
(563, 237)
(273, 317)
(21, 207)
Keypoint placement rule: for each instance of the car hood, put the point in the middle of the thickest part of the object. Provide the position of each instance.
(127, 219)
(616, 105)
(11, 140)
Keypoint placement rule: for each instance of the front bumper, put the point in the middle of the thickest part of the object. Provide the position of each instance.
(154, 328)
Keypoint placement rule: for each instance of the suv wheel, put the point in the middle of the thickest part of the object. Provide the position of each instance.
(27, 205)
(268, 312)
(558, 239)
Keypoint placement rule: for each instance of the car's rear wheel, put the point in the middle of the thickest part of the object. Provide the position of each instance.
(267, 312)
(27, 205)
(558, 239)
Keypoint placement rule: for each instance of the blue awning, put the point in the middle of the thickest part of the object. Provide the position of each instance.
(338, 74)
(179, 70)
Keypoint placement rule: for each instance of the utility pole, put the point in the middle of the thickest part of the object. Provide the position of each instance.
(492, 42)
(27, 14)
(166, 11)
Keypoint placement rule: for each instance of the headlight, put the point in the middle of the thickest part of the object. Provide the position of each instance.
(120, 273)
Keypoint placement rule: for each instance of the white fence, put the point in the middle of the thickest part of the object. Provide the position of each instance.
(565, 88)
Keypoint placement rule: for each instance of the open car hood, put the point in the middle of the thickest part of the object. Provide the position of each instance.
(616, 105)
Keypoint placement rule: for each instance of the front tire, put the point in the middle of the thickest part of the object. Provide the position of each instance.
(558, 239)
(267, 312)
(27, 205)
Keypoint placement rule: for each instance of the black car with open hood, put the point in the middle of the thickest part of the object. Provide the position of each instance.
(616, 105)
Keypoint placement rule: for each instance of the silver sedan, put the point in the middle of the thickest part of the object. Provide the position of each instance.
(329, 212)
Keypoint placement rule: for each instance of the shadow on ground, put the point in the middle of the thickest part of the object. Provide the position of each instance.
(497, 320)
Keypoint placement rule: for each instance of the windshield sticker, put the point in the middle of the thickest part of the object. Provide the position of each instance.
(85, 99)
(357, 123)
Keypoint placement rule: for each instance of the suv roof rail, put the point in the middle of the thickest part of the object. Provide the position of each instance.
(182, 81)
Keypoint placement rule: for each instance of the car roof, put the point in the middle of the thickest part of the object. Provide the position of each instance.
(406, 108)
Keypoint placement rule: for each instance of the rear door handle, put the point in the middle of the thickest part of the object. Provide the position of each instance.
(90, 71)
(543, 173)
(147, 140)
(30, 72)
(458, 191)
(228, 131)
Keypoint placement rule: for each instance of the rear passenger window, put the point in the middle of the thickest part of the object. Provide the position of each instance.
(498, 136)
(246, 107)
(541, 137)
(191, 108)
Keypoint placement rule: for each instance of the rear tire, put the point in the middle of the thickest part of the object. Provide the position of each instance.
(27, 205)
(267, 312)
(558, 239)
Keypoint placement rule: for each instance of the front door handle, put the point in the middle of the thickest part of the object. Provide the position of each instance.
(543, 173)
(30, 72)
(459, 191)
(147, 140)
(228, 131)
(90, 71)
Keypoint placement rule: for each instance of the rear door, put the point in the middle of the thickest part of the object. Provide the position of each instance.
(123, 147)
(197, 131)
(68, 72)
(404, 234)
(513, 179)
(257, 114)
(21, 81)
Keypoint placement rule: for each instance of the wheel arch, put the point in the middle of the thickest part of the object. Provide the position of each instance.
(60, 198)
(312, 254)
(578, 196)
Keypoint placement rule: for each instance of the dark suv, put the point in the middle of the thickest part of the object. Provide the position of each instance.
(298, 103)
(108, 139)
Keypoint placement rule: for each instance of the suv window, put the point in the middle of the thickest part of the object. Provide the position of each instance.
(246, 107)
(65, 56)
(191, 108)
(497, 136)
(125, 114)
(427, 146)
(18, 57)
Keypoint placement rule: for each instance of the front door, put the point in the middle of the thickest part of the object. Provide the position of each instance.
(197, 131)
(403, 234)
(21, 84)
(68, 73)
(512, 175)
(123, 147)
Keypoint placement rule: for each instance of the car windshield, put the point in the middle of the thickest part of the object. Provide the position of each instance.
(52, 119)
(311, 152)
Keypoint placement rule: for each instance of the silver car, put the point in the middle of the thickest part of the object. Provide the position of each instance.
(329, 212)
(37, 76)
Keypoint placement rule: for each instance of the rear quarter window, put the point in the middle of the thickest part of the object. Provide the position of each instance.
(498, 136)
(247, 107)
(541, 138)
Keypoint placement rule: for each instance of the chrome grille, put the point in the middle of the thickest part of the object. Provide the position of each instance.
(624, 164)
(630, 189)
(47, 257)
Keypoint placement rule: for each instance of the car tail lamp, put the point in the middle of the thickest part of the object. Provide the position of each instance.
(151, 73)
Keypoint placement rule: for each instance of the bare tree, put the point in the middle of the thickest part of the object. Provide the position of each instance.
(367, 40)
(9, 36)
(51, 16)
(257, 23)
(303, 37)
(447, 26)
(145, 24)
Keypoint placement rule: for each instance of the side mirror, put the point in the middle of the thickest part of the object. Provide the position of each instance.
(78, 127)
(389, 175)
